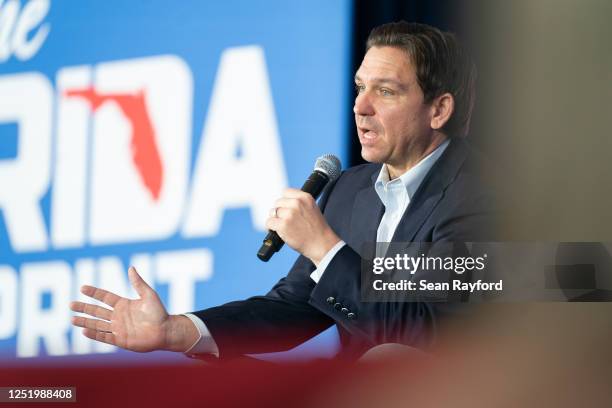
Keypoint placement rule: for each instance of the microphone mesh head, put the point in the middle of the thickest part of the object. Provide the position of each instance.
(329, 165)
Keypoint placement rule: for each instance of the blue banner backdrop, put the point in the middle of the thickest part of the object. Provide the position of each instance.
(154, 134)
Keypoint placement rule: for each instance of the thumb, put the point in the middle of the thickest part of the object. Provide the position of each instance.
(138, 283)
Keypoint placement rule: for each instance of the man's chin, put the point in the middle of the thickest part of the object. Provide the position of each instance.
(370, 156)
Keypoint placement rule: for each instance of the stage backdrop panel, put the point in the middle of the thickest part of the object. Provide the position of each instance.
(155, 134)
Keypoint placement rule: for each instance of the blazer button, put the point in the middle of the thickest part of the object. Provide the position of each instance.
(344, 310)
(351, 316)
(331, 300)
(337, 306)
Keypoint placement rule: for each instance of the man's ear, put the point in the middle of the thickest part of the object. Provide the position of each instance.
(442, 108)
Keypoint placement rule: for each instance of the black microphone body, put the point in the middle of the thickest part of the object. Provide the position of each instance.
(272, 243)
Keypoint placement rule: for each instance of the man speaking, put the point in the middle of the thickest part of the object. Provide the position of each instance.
(415, 93)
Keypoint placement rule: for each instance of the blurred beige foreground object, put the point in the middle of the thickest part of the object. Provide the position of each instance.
(544, 113)
(511, 355)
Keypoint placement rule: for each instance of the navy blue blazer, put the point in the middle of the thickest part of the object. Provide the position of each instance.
(451, 205)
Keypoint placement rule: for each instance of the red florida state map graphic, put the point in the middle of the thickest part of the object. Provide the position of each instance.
(145, 153)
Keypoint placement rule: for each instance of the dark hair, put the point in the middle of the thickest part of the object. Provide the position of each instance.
(441, 64)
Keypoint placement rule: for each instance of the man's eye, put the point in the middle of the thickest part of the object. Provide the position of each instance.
(386, 92)
(359, 88)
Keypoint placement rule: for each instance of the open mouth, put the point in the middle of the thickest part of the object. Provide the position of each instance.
(366, 135)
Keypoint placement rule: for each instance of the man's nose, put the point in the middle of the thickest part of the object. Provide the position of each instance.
(363, 105)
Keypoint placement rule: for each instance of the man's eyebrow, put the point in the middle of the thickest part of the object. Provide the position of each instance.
(382, 81)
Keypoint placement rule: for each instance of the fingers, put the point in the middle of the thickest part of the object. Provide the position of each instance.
(274, 224)
(138, 283)
(110, 298)
(295, 193)
(284, 211)
(299, 195)
(104, 337)
(95, 329)
(92, 310)
(286, 202)
(292, 203)
(100, 294)
(285, 206)
(93, 324)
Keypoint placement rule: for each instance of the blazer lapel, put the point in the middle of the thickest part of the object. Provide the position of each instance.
(366, 215)
(431, 190)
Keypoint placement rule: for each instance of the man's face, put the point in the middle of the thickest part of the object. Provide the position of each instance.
(390, 112)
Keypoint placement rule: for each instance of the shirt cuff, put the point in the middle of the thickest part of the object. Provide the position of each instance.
(205, 344)
(317, 273)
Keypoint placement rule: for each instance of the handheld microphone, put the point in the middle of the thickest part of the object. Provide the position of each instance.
(327, 168)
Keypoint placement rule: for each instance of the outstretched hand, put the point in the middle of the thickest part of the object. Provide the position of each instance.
(133, 324)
